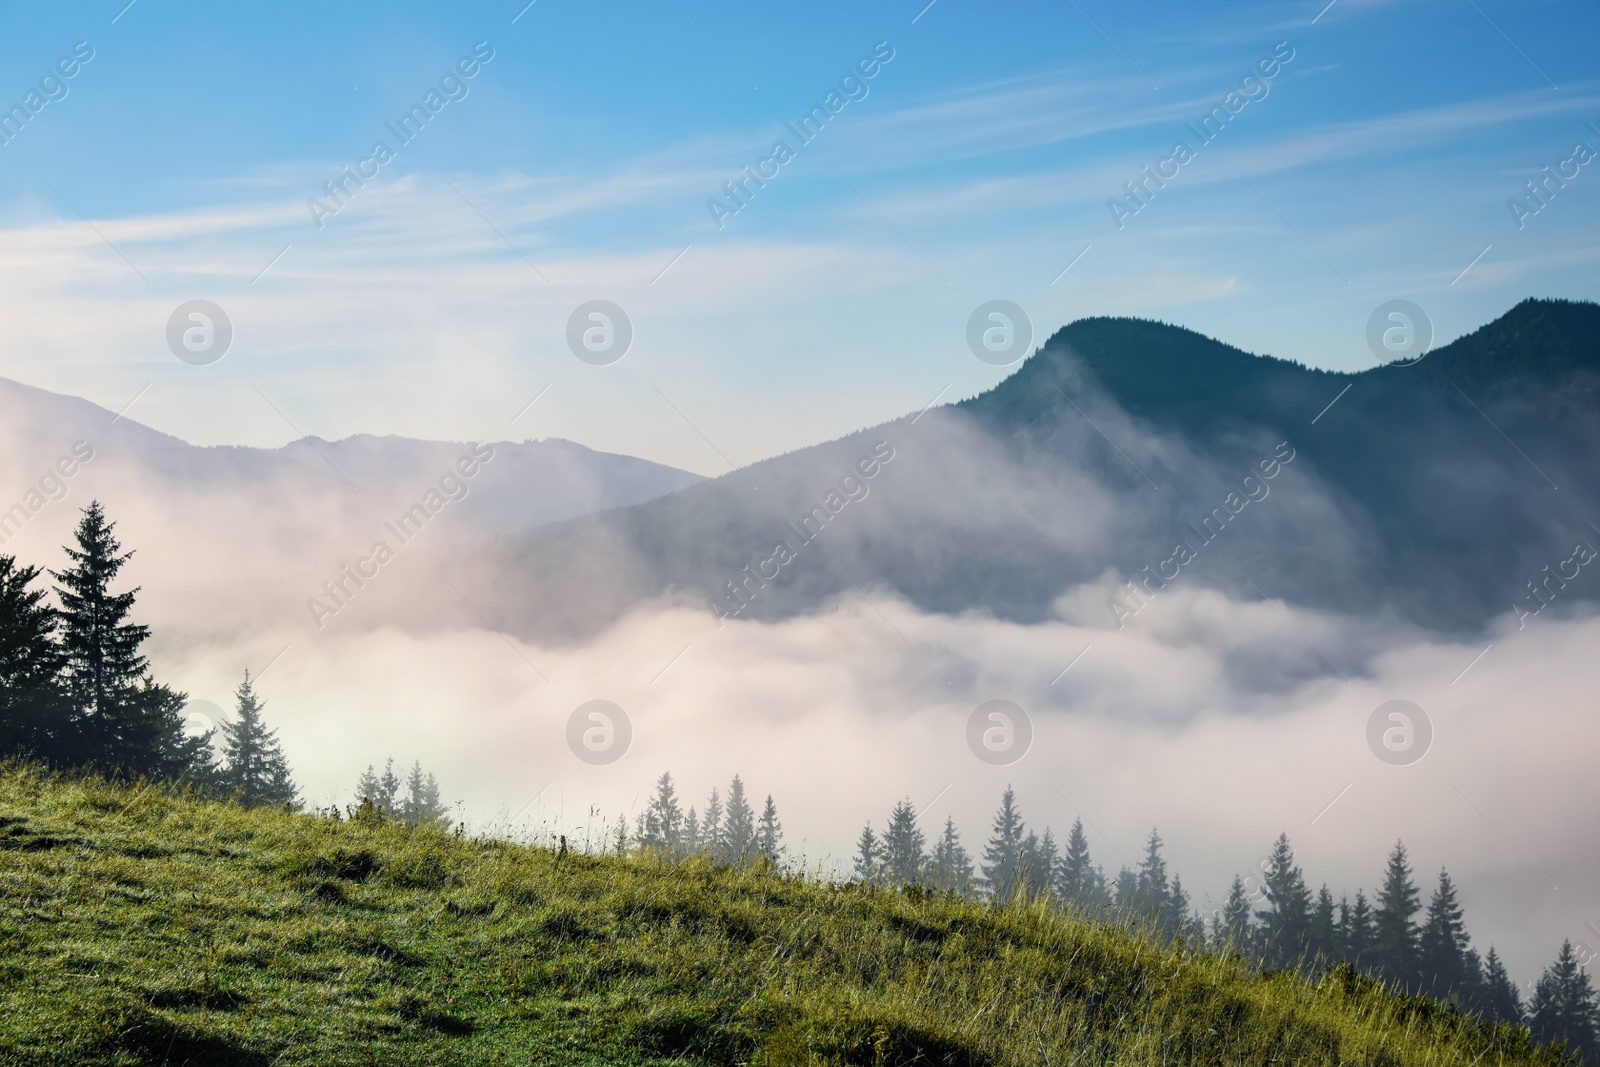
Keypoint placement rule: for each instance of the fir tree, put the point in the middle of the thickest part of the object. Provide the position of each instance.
(664, 818)
(1286, 924)
(1394, 931)
(950, 869)
(739, 836)
(1126, 893)
(1003, 854)
(1175, 920)
(691, 831)
(711, 826)
(1498, 997)
(1358, 932)
(1072, 876)
(1041, 863)
(769, 833)
(389, 786)
(1442, 945)
(369, 792)
(254, 770)
(868, 856)
(1563, 1006)
(903, 846)
(1323, 942)
(1151, 892)
(1231, 927)
(101, 645)
(34, 716)
(120, 719)
(422, 806)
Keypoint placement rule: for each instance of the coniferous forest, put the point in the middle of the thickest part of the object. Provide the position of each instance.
(76, 692)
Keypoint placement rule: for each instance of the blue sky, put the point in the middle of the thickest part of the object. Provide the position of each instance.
(1377, 165)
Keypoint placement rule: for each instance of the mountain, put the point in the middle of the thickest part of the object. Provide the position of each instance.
(525, 484)
(1433, 493)
(230, 539)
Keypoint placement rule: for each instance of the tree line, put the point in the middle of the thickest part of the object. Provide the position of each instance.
(728, 830)
(1274, 919)
(76, 691)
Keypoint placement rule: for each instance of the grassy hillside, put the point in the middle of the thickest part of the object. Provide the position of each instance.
(138, 926)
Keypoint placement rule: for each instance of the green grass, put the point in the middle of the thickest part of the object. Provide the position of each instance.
(152, 927)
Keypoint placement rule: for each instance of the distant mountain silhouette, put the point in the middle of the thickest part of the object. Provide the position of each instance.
(1424, 493)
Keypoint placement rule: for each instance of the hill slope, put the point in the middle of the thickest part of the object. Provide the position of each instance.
(145, 927)
(1427, 492)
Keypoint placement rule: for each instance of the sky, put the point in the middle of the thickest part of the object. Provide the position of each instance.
(579, 160)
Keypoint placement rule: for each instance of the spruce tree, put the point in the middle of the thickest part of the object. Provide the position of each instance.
(739, 837)
(711, 826)
(1076, 869)
(664, 817)
(903, 846)
(101, 645)
(1394, 931)
(1442, 945)
(1175, 920)
(1563, 1006)
(1003, 854)
(769, 833)
(950, 869)
(1323, 942)
(254, 770)
(691, 832)
(370, 790)
(120, 717)
(1151, 891)
(1499, 998)
(869, 856)
(1043, 860)
(1231, 928)
(34, 716)
(1286, 924)
(1359, 934)
(422, 805)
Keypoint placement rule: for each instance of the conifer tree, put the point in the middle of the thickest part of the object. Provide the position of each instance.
(1563, 1006)
(739, 836)
(711, 826)
(868, 856)
(903, 846)
(369, 790)
(1359, 934)
(1499, 998)
(1394, 931)
(119, 717)
(1003, 854)
(1175, 920)
(1287, 922)
(422, 805)
(34, 716)
(1442, 945)
(691, 832)
(769, 834)
(1043, 859)
(1323, 940)
(1232, 927)
(1151, 891)
(253, 768)
(1072, 876)
(664, 817)
(1126, 893)
(950, 869)
(101, 645)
